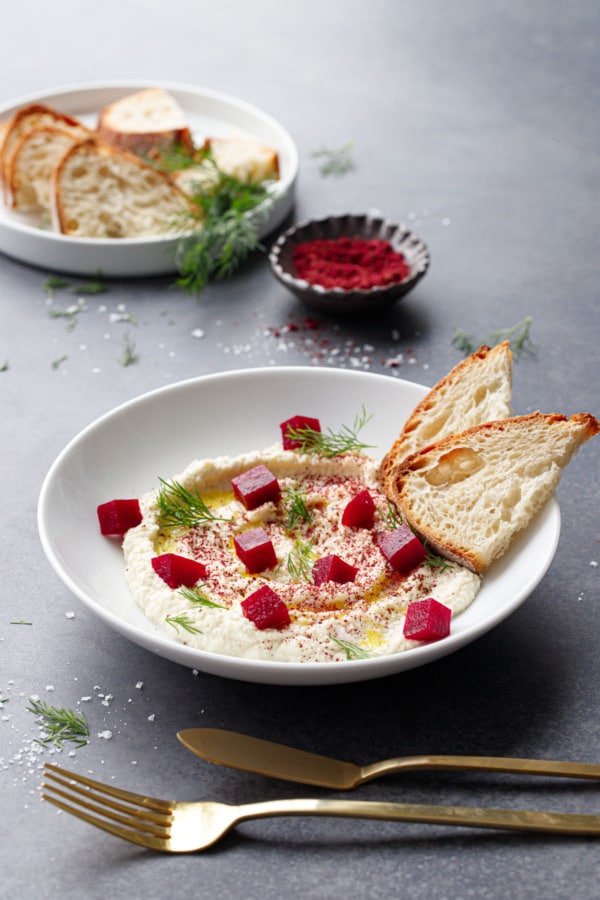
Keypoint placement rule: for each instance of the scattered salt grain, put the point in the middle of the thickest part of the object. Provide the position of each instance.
(594, 564)
(197, 333)
(139, 685)
(105, 735)
(70, 615)
(152, 717)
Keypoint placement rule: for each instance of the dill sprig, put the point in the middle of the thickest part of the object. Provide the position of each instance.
(129, 356)
(300, 560)
(60, 724)
(392, 517)
(295, 507)
(352, 651)
(331, 443)
(519, 336)
(194, 596)
(179, 507)
(335, 162)
(182, 621)
(222, 224)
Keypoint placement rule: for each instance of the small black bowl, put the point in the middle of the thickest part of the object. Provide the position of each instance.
(340, 300)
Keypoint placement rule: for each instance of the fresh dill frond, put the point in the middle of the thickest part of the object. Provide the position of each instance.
(60, 724)
(392, 517)
(194, 596)
(352, 651)
(295, 507)
(54, 283)
(129, 357)
(300, 560)
(182, 621)
(434, 561)
(20, 622)
(222, 226)
(179, 507)
(331, 443)
(96, 286)
(57, 363)
(335, 162)
(518, 335)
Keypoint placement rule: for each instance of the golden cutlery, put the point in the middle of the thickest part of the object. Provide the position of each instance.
(176, 827)
(250, 754)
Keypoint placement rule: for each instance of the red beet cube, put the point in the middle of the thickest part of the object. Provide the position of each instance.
(118, 516)
(360, 511)
(255, 549)
(332, 568)
(266, 609)
(427, 620)
(178, 570)
(402, 549)
(256, 486)
(297, 423)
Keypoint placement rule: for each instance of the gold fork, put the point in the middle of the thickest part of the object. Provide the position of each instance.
(175, 827)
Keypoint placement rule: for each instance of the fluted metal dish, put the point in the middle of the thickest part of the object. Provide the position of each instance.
(340, 300)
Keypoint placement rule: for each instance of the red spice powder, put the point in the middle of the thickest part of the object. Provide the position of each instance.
(350, 263)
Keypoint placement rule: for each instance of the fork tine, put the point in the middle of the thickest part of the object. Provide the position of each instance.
(130, 797)
(145, 821)
(134, 837)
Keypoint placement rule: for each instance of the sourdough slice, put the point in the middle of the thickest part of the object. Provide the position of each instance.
(35, 115)
(469, 494)
(245, 158)
(145, 121)
(477, 390)
(100, 191)
(32, 164)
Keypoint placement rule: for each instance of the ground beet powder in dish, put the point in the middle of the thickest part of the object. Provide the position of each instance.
(350, 263)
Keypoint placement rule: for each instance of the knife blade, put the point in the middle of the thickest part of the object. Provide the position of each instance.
(250, 754)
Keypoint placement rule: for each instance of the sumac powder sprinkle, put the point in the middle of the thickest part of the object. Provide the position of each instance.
(350, 263)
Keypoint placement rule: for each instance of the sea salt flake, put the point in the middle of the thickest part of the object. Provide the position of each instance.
(105, 735)
(594, 564)
(139, 685)
(198, 333)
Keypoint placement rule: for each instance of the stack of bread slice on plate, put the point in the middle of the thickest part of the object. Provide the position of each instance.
(465, 474)
(107, 181)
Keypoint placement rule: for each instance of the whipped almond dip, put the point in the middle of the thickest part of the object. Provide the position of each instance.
(329, 622)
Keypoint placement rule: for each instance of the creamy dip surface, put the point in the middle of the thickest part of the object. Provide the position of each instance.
(331, 622)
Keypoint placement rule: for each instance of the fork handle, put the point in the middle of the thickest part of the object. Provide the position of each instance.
(513, 765)
(478, 817)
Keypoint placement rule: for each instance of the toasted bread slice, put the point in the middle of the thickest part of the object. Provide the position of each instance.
(477, 390)
(245, 158)
(35, 115)
(32, 164)
(469, 494)
(99, 191)
(148, 120)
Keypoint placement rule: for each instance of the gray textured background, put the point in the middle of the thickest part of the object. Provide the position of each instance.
(477, 123)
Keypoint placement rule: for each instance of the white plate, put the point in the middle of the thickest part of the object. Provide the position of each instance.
(208, 113)
(124, 452)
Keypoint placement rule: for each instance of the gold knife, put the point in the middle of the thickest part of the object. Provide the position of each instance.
(250, 754)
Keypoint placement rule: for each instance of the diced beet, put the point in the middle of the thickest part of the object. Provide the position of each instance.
(332, 568)
(402, 549)
(178, 570)
(256, 486)
(297, 423)
(255, 549)
(266, 609)
(427, 620)
(118, 516)
(360, 511)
